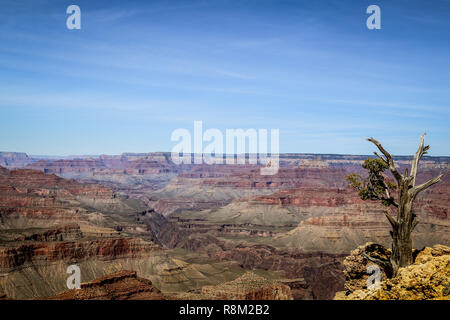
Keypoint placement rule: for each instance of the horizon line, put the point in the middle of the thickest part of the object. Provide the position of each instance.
(83, 156)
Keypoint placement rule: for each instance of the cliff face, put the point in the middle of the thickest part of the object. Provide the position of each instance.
(427, 278)
(123, 285)
(74, 251)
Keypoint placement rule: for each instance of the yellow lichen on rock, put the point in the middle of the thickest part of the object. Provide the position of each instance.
(427, 278)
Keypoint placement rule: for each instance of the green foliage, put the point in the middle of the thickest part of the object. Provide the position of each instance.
(374, 165)
(391, 186)
(355, 180)
(373, 187)
(364, 194)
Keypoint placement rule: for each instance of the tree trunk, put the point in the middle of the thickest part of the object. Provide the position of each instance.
(401, 232)
(401, 249)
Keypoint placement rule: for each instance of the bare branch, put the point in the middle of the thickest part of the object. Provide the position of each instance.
(388, 195)
(389, 158)
(392, 221)
(381, 157)
(415, 191)
(419, 153)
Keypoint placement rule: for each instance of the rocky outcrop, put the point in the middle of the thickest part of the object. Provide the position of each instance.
(123, 285)
(427, 278)
(249, 286)
(355, 265)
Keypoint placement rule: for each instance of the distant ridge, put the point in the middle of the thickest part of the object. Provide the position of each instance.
(22, 159)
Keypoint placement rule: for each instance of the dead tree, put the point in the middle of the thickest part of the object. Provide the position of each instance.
(378, 187)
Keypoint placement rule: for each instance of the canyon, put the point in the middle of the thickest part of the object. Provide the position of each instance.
(191, 229)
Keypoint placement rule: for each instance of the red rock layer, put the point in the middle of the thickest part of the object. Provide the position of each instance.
(34, 182)
(31, 193)
(123, 285)
(105, 249)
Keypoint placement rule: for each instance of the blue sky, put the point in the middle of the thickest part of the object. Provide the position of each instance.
(137, 70)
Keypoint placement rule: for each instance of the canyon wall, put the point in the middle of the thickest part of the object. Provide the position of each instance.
(297, 225)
